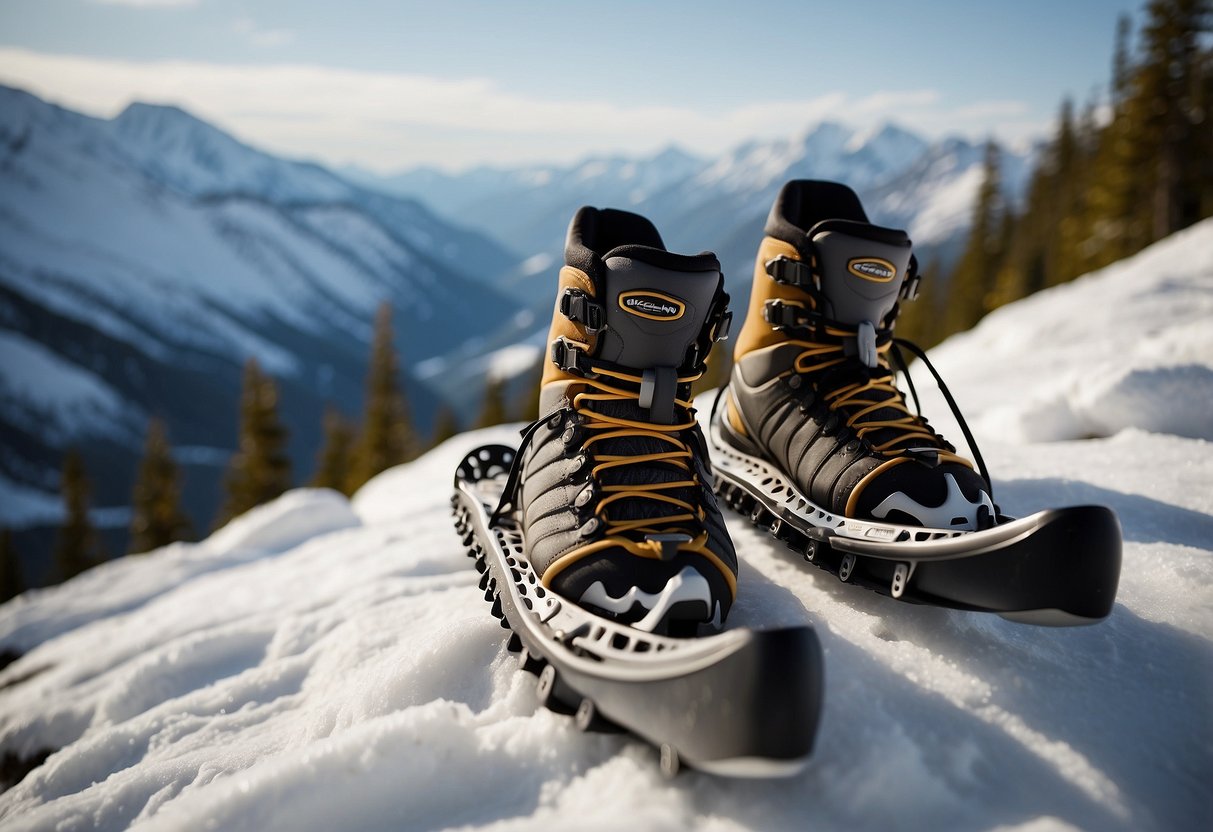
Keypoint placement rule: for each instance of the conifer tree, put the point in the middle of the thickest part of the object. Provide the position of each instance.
(156, 515)
(1103, 192)
(446, 425)
(978, 266)
(492, 409)
(1121, 68)
(260, 470)
(12, 582)
(1171, 124)
(387, 437)
(334, 458)
(922, 320)
(76, 545)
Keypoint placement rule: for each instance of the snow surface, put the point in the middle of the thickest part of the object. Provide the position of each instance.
(324, 664)
(1128, 346)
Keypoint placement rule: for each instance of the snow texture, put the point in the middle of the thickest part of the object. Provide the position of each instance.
(323, 664)
(1128, 346)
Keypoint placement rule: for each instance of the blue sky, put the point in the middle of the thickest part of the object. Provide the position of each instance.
(390, 85)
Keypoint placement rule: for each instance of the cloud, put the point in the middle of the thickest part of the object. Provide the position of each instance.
(392, 120)
(257, 36)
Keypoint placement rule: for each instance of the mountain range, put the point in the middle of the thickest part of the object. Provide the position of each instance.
(719, 204)
(143, 258)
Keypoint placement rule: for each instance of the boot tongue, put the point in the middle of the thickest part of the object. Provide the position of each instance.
(654, 314)
(862, 267)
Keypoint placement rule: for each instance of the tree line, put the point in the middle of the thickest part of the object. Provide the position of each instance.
(260, 469)
(1121, 174)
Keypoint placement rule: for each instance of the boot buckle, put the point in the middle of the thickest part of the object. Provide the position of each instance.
(789, 272)
(784, 314)
(568, 357)
(578, 307)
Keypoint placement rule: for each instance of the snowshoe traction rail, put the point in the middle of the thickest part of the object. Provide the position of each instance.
(740, 703)
(1058, 567)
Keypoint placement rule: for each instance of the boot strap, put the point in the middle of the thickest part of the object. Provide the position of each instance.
(580, 308)
(789, 272)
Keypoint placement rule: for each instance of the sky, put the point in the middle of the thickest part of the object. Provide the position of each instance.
(453, 84)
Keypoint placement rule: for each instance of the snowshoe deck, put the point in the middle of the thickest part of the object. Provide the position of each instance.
(739, 703)
(1058, 567)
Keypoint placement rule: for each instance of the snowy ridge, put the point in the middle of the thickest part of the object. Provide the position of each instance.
(720, 203)
(323, 664)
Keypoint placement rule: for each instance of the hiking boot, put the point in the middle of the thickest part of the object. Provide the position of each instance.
(813, 388)
(614, 484)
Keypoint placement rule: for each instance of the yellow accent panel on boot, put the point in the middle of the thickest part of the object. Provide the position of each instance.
(570, 278)
(756, 333)
(730, 409)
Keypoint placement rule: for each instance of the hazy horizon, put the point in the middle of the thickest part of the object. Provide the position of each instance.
(394, 86)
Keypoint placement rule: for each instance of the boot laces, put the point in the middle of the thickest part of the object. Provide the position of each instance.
(869, 399)
(641, 468)
(863, 392)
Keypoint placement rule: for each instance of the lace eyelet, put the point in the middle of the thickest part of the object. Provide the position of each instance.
(584, 496)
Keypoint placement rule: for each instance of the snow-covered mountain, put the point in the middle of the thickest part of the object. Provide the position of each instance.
(142, 259)
(528, 208)
(330, 664)
(720, 204)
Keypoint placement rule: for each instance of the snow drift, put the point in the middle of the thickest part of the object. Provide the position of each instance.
(322, 663)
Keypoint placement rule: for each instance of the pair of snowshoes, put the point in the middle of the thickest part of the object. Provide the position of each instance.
(600, 541)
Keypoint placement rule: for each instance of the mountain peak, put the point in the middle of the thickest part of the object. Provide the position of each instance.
(161, 127)
(141, 111)
(826, 133)
(178, 149)
(889, 144)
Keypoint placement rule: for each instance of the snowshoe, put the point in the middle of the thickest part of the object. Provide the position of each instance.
(740, 703)
(815, 442)
(606, 542)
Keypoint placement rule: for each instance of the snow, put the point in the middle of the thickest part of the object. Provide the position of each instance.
(948, 206)
(512, 361)
(45, 394)
(1128, 346)
(323, 663)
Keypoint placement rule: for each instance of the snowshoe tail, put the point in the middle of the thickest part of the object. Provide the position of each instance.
(1059, 567)
(742, 703)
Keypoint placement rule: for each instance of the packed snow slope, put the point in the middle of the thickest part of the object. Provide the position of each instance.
(330, 664)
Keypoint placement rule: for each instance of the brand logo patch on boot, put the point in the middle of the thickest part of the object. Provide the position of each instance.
(872, 268)
(652, 305)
